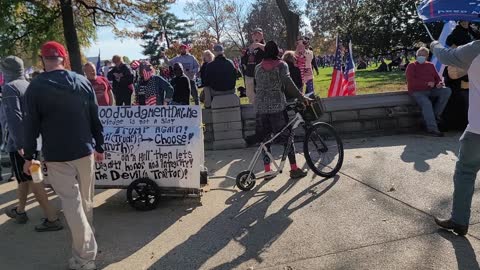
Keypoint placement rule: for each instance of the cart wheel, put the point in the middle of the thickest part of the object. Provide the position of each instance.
(244, 182)
(143, 194)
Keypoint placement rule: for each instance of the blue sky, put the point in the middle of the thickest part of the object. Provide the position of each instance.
(109, 45)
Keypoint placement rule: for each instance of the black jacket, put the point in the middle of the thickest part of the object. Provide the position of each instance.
(221, 74)
(61, 106)
(126, 80)
(250, 60)
(461, 36)
(296, 75)
(203, 73)
(182, 89)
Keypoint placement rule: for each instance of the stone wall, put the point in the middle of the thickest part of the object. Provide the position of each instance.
(364, 115)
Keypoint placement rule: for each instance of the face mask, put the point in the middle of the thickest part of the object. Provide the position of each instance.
(421, 59)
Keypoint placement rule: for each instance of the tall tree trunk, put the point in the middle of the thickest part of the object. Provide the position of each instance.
(71, 37)
(292, 21)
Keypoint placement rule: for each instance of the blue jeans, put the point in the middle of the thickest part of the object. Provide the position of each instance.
(466, 170)
(431, 112)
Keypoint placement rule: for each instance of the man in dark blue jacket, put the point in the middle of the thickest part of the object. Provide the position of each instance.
(221, 76)
(61, 107)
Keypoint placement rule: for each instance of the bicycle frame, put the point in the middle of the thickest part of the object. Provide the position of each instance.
(295, 122)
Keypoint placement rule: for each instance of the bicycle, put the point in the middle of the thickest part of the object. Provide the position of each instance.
(319, 139)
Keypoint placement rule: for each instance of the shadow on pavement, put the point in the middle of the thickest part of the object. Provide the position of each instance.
(466, 257)
(418, 148)
(122, 231)
(245, 224)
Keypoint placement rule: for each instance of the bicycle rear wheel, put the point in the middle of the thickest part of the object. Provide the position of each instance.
(323, 149)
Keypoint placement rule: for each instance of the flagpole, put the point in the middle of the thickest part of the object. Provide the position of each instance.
(428, 31)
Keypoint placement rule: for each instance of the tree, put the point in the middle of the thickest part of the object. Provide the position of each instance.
(265, 14)
(237, 16)
(166, 27)
(292, 21)
(375, 26)
(73, 15)
(24, 27)
(209, 15)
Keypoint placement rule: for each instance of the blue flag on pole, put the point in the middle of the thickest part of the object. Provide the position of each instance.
(449, 10)
(99, 65)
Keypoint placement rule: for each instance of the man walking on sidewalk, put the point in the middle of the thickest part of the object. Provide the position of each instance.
(13, 109)
(61, 106)
(466, 57)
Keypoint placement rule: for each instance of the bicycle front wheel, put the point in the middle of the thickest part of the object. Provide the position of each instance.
(323, 149)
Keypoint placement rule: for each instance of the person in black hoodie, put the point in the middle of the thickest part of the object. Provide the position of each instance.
(289, 58)
(60, 105)
(455, 115)
(252, 57)
(181, 85)
(122, 77)
(462, 34)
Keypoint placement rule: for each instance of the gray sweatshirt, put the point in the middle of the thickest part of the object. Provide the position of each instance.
(13, 102)
(466, 57)
(190, 64)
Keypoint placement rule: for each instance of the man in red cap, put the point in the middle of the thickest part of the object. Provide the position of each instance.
(62, 108)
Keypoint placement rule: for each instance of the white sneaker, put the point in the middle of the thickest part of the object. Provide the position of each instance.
(74, 265)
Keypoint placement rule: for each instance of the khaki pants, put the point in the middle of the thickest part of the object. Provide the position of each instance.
(210, 93)
(73, 181)
(250, 86)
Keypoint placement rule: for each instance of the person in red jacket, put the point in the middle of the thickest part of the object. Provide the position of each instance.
(425, 85)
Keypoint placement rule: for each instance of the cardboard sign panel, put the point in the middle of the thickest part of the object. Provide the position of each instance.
(163, 143)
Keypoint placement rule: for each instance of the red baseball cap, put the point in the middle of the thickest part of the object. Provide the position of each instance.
(184, 46)
(53, 49)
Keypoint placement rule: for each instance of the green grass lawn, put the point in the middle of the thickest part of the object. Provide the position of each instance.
(368, 81)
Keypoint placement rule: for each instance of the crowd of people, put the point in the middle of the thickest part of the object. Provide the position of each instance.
(60, 108)
(56, 113)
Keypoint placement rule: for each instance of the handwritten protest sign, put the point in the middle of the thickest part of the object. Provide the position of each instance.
(163, 143)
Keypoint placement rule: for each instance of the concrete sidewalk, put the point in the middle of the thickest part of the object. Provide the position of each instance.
(376, 214)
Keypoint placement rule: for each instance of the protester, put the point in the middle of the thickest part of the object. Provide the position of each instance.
(424, 84)
(107, 65)
(273, 86)
(60, 106)
(383, 66)
(207, 57)
(188, 61)
(289, 58)
(220, 77)
(456, 112)
(251, 58)
(304, 58)
(462, 34)
(466, 57)
(181, 85)
(395, 63)
(12, 106)
(100, 84)
(122, 77)
(152, 89)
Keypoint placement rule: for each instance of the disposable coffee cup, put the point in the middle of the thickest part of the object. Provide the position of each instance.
(36, 172)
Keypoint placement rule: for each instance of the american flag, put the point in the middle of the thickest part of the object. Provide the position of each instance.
(135, 64)
(343, 82)
(349, 85)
